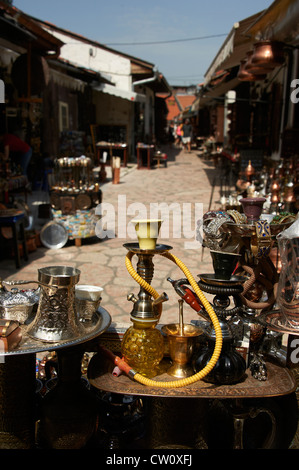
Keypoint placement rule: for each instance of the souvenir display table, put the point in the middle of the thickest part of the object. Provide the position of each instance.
(18, 413)
(14, 220)
(168, 410)
(144, 155)
(121, 148)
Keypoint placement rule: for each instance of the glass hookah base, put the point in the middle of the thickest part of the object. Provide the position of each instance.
(143, 349)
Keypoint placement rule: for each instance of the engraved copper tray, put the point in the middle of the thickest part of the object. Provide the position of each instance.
(100, 322)
(280, 382)
(274, 320)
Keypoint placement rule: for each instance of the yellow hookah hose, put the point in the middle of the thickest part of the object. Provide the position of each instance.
(218, 342)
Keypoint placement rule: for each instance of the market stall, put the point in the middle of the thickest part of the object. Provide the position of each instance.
(74, 197)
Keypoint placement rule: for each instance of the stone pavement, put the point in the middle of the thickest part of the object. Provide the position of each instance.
(186, 180)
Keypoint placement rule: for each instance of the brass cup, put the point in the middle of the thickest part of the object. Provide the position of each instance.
(181, 346)
(147, 231)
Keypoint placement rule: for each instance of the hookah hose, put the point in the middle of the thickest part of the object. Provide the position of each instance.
(218, 343)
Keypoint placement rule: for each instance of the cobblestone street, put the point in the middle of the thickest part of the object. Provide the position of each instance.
(187, 179)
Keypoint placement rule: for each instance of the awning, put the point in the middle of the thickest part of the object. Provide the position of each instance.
(225, 51)
(215, 93)
(280, 22)
(234, 48)
(125, 94)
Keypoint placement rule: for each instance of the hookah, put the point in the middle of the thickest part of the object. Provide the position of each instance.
(224, 285)
(142, 346)
(251, 236)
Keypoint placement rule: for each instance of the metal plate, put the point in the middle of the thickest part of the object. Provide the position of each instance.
(210, 279)
(134, 247)
(54, 235)
(275, 321)
(100, 322)
(83, 202)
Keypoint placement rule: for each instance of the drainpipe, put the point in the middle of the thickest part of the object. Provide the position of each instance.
(149, 80)
(146, 80)
(286, 94)
(294, 76)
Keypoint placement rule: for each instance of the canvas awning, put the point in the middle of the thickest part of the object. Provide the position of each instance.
(215, 93)
(234, 48)
(280, 22)
(120, 93)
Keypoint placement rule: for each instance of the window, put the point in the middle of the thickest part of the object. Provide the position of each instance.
(63, 116)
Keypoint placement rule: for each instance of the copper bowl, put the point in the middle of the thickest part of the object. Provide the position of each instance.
(256, 69)
(246, 76)
(268, 53)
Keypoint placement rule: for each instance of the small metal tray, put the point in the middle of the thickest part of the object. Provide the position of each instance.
(134, 248)
(210, 279)
(54, 235)
(100, 322)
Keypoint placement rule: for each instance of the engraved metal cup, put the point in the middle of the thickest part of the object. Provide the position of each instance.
(56, 318)
(88, 299)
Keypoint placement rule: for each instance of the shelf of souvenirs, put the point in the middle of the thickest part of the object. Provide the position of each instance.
(278, 184)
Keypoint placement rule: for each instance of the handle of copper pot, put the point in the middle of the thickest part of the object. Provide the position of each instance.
(20, 283)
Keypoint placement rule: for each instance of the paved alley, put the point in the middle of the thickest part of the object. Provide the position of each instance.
(186, 180)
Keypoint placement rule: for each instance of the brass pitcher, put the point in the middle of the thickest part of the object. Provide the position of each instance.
(56, 318)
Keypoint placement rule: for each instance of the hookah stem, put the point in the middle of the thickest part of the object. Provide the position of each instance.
(218, 343)
(140, 280)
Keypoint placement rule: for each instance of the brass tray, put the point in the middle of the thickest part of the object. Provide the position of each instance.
(100, 322)
(280, 382)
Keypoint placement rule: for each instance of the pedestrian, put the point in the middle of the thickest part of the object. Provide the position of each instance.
(17, 150)
(187, 134)
(179, 132)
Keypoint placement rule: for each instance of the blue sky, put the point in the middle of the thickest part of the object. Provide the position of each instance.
(117, 22)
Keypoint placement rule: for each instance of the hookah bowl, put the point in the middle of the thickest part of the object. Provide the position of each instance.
(252, 207)
(224, 264)
(147, 232)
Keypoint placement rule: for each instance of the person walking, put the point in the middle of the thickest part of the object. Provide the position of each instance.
(187, 134)
(16, 149)
(179, 135)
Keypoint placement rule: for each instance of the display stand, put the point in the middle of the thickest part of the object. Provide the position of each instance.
(18, 381)
(146, 151)
(110, 147)
(168, 410)
(15, 220)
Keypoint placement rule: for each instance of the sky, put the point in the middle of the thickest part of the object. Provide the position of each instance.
(180, 37)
